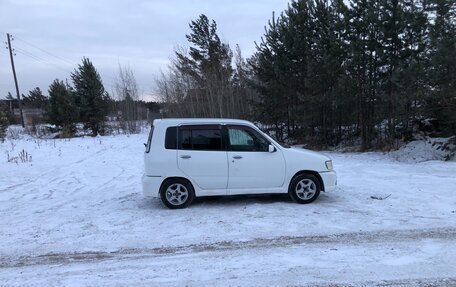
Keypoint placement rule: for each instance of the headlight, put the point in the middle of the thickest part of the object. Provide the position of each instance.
(329, 164)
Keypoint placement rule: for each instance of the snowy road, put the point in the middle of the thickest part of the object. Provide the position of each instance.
(75, 216)
(374, 259)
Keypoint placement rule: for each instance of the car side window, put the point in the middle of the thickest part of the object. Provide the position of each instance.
(200, 138)
(171, 138)
(246, 139)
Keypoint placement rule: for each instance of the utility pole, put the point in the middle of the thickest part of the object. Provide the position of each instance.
(15, 79)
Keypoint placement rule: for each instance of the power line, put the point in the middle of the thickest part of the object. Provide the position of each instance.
(28, 53)
(111, 82)
(43, 62)
(39, 59)
(53, 55)
(48, 61)
(44, 51)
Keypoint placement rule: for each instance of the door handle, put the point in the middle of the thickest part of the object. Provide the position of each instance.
(237, 157)
(185, 156)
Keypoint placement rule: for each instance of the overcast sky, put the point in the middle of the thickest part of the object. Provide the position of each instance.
(51, 36)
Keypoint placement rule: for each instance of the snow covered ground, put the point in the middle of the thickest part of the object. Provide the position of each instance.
(75, 216)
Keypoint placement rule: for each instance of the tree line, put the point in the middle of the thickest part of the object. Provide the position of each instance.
(84, 100)
(327, 71)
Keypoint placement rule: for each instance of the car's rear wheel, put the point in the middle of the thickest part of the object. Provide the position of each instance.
(304, 188)
(177, 193)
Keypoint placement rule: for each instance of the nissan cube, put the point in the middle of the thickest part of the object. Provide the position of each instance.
(186, 158)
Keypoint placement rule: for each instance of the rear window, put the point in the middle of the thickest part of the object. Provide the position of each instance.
(200, 138)
(171, 138)
(149, 140)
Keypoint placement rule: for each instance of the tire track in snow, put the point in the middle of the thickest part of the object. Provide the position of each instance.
(276, 242)
(38, 181)
(40, 176)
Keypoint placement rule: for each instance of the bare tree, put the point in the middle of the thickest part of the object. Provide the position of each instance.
(128, 96)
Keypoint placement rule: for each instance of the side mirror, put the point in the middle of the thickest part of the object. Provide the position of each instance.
(271, 148)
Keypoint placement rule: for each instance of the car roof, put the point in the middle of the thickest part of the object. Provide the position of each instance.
(180, 121)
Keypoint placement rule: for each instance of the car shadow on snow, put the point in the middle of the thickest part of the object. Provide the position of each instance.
(235, 200)
(228, 200)
(250, 199)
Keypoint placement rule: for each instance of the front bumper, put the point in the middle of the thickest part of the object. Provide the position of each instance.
(329, 180)
(151, 185)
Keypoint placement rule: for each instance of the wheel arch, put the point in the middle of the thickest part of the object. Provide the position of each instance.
(312, 172)
(175, 177)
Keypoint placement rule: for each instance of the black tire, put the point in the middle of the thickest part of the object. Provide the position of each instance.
(177, 193)
(304, 188)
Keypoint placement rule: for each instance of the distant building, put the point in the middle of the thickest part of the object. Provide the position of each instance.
(31, 116)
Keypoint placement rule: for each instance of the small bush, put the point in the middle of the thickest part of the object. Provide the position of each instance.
(449, 147)
(22, 157)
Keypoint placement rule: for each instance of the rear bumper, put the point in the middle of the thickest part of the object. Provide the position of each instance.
(329, 180)
(151, 185)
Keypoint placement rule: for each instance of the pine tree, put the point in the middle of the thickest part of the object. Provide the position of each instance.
(326, 68)
(208, 63)
(365, 65)
(35, 99)
(91, 97)
(61, 109)
(272, 79)
(410, 74)
(298, 67)
(296, 57)
(442, 73)
(391, 32)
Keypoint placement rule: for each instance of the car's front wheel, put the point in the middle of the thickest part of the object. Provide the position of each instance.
(177, 193)
(304, 188)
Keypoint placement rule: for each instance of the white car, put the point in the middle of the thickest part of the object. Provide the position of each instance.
(185, 158)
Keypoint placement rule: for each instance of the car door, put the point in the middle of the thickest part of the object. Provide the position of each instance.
(251, 165)
(202, 157)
